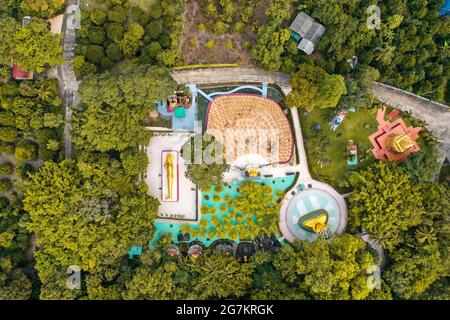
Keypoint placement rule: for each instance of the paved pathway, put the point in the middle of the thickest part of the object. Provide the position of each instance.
(67, 81)
(232, 75)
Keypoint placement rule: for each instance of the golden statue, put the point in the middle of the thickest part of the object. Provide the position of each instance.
(168, 165)
(399, 143)
(315, 221)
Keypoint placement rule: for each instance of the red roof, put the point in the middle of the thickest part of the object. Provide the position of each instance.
(19, 74)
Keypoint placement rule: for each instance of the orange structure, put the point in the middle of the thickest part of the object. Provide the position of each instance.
(393, 140)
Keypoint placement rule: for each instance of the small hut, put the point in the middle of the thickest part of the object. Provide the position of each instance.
(306, 31)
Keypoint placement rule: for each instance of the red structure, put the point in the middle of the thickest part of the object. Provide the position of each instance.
(19, 74)
(387, 129)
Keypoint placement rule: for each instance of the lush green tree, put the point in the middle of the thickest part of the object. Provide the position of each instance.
(220, 276)
(26, 150)
(9, 27)
(305, 84)
(131, 41)
(35, 47)
(134, 161)
(14, 285)
(423, 166)
(115, 32)
(6, 169)
(384, 202)
(116, 105)
(98, 16)
(331, 90)
(41, 8)
(82, 68)
(84, 221)
(8, 134)
(269, 47)
(327, 270)
(202, 174)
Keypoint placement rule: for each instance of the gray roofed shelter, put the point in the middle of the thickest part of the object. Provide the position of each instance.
(309, 30)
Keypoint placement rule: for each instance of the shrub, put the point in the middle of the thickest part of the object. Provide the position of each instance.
(47, 154)
(118, 15)
(4, 202)
(81, 67)
(136, 13)
(201, 27)
(95, 53)
(144, 19)
(106, 63)
(96, 35)
(26, 150)
(53, 145)
(154, 29)
(238, 27)
(7, 149)
(5, 185)
(98, 16)
(6, 169)
(24, 169)
(193, 42)
(165, 42)
(210, 43)
(229, 44)
(220, 28)
(114, 31)
(153, 49)
(9, 134)
(7, 119)
(113, 52)
(211, 10)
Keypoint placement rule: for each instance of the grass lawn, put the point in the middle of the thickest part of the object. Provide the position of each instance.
(357, 126)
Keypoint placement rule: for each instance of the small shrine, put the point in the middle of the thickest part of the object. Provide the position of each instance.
(393, 140)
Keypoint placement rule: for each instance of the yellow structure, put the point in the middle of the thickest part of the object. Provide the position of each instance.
(317, 224)
(168, 165)
(399, 143)
(253, 172)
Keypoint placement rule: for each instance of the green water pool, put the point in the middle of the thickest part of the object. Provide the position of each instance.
(231, 189)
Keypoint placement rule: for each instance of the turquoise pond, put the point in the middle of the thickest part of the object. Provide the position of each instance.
(162, 228)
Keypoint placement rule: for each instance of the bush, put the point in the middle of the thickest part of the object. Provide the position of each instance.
(136, 13)
(229, 44)
(201, 27)
(210, 43)
(96, 35)
(115, 32)
(82, 68)
(7, 149)
(7, 119)
(106, 63)
(193, 42)
(5, 185)
(24, 169)
(98, 16)
(165, 42)
(144, 19)
(153, 49)
(220, 28)
(26, 150)
(118, 15)
(6, 169)
(156, 11)
(238, 27)
(95, 53)
(9, 134)
(134, 161)
(154, 29)
(113, 52)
